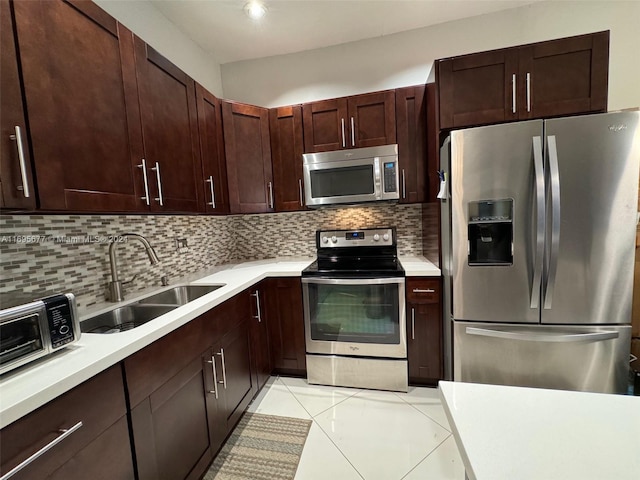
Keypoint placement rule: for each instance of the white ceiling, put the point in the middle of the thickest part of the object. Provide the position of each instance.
(222, 28)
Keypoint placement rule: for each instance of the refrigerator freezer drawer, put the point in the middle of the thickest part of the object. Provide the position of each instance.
(581, 358)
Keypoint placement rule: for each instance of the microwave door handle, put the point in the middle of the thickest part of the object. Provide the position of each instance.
(538, 170)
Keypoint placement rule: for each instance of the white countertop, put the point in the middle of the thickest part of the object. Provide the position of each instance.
(35, 384)
(505, 433)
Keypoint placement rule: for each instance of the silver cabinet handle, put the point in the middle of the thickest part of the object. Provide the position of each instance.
(224, 369)
(257, 295)
(215, 376)
(538, 169)
(65, 432)
(422, 290)
(213, 193)
(513, 93)
(353, 133)
(554, 174)
(543, 337)
(23, 163)
(159, 197)
(344, 143)
(300, 190)
(143, 166)
(528, 92)
(413, 324)
(270, 188)
(404, 186)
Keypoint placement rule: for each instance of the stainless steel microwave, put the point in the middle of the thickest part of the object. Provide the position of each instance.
(351, 176)
(36, 329)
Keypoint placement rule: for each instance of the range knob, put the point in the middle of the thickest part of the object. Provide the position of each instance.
(385, 237)
(325, 239)
(376, 237)
(334, 239)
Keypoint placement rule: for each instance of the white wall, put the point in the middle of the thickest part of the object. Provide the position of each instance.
(143, 19)
(406, 58)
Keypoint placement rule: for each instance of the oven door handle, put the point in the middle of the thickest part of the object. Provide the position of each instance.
(353, 281)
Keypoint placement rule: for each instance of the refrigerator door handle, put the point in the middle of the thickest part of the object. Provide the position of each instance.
(554, 174)
(540, 221)
(543, 337)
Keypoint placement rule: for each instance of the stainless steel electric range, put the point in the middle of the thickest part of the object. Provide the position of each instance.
(354, 311)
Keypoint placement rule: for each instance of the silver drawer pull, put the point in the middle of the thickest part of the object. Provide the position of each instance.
(422, 290)
(413, 324)
(23, 163)
(224, 369)
(257, 295)
(300, 190)
(159, 197)
(215, 376)
(213, 192)
(65, 432)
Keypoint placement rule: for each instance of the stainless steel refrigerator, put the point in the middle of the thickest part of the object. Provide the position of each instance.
(538, 241)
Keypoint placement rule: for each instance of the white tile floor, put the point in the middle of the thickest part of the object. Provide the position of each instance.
(366, 434)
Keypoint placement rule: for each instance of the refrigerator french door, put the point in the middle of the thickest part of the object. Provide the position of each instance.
(539, 231)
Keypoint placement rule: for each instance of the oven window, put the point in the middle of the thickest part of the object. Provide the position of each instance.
(19, 338)
(338, 182)
(355, 313)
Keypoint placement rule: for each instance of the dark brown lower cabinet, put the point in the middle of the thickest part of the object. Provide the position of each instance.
(260, 351)
(285, 321)
(96, 444)
(424, 331)
(183, 405)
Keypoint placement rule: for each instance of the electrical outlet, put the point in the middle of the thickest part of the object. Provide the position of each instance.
(181, 245)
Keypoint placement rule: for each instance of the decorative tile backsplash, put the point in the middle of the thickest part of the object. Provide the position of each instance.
(71, 252)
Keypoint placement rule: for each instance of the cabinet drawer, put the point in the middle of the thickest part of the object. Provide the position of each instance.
(98, 403)
(423, 290)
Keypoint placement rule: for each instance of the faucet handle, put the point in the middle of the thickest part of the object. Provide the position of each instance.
(130, 281)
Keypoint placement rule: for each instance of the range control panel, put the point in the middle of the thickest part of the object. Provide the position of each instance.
(363, 237)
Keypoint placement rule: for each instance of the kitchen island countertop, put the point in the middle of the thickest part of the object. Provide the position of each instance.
(25, 389)
(533, 433)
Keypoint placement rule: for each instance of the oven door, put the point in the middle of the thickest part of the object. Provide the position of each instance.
(23, 337)
(357, 317)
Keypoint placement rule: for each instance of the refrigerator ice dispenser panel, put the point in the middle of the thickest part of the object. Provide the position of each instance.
(490, 233)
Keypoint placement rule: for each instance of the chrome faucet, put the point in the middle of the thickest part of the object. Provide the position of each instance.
(115, 285)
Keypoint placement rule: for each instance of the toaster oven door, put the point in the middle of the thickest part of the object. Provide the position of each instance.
(22, 339)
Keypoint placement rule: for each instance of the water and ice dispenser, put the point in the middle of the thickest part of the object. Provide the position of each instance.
(491, 232)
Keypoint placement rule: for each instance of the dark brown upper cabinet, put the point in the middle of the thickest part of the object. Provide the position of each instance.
(364, 120)
(411, 116)
(16, 181)
(170, 132)
(214, 169)
(248, 157)
(567, 76)
(80, 93)
(285, 126)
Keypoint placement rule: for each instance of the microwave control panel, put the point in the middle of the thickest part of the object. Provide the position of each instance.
(390, 174)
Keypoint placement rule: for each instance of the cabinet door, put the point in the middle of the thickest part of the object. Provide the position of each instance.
(285, 320)
(234, 364)
(412, 143)
(424, 330)
(372, 119)
(261, 355)
(16, 182)
(248, 155)
(285, 125)
(170, 132)
(170, 428)
(565, 76)
(214, 169)
(81, 98)
(478, 89)
(86, 412)
(325, 125)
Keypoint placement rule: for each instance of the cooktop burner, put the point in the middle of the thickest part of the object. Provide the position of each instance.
(364, 253)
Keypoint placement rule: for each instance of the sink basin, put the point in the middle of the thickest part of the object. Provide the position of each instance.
(123, 318)
(179, 295)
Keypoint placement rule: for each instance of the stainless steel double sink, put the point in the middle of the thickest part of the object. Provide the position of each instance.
(131, 316)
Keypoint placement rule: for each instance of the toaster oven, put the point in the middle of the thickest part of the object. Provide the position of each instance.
(37, 329)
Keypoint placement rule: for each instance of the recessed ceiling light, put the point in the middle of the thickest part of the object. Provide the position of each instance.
(255, 10)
